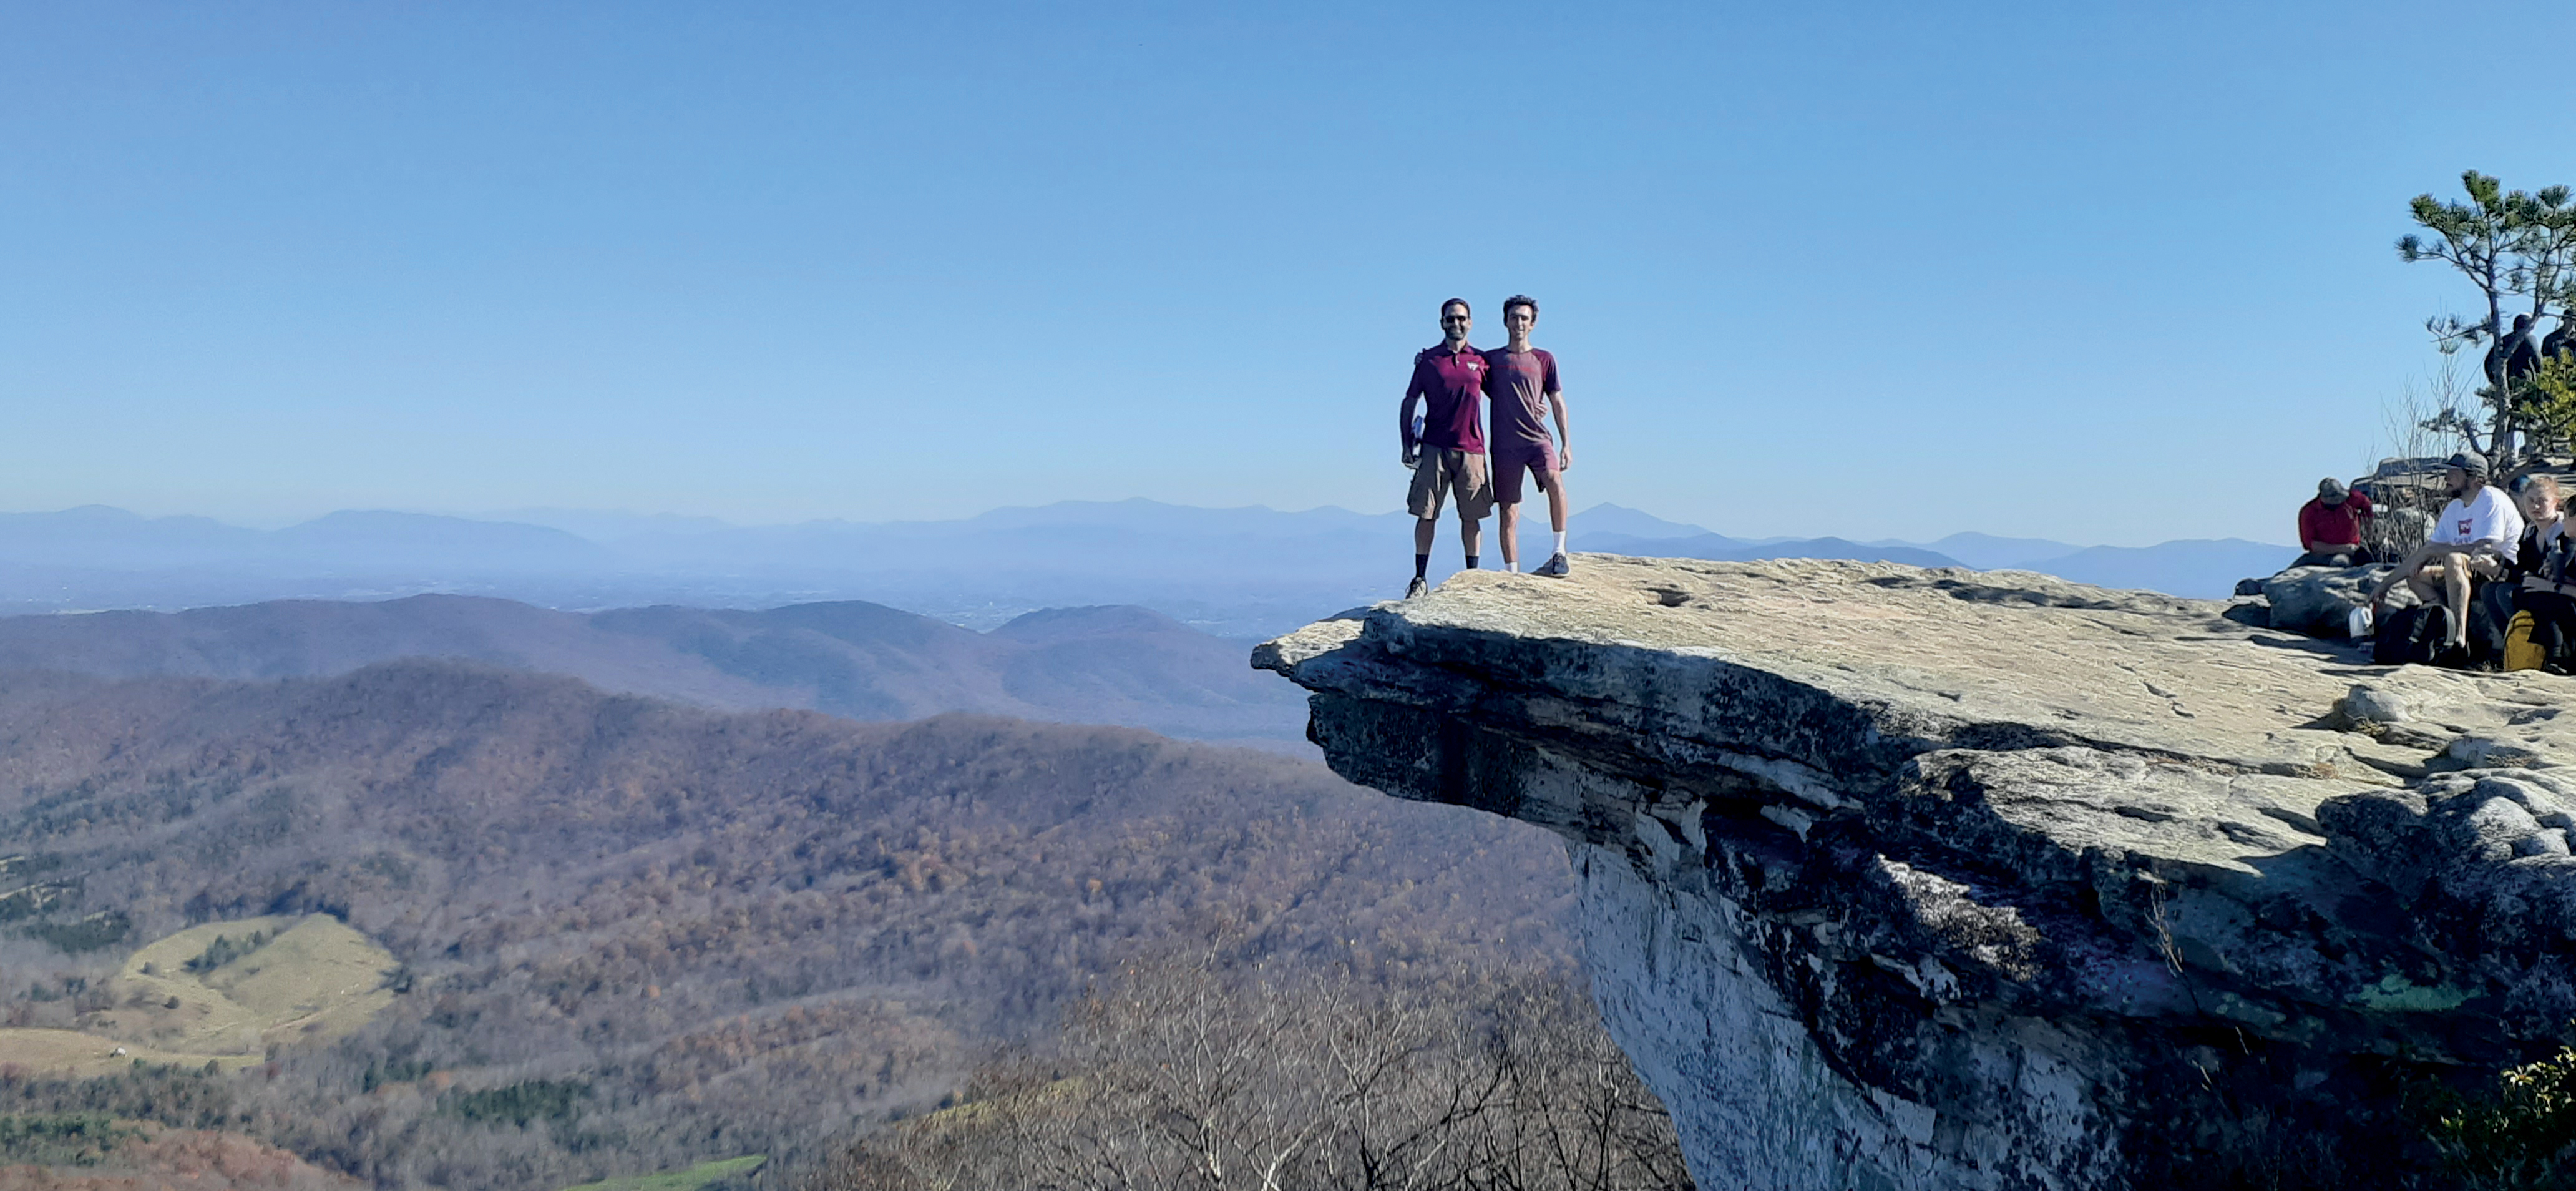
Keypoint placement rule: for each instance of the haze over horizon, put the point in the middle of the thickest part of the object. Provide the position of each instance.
(2114, 276)
(606, 523)
(1243, 572)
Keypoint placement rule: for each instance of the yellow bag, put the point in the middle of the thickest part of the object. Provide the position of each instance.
(2519, 651)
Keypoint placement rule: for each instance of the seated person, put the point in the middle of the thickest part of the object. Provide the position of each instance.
(2470, 542)
(2330, 527)
(2545, 569)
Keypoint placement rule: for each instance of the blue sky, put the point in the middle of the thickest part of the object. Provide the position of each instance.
(2103, 273)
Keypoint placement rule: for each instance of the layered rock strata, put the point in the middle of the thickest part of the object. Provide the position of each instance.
(1905, 878)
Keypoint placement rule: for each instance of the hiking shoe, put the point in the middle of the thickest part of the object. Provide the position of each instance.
(1418, 587)
(1554, 568)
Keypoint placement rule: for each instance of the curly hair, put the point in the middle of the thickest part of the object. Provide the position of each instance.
(1520, 300)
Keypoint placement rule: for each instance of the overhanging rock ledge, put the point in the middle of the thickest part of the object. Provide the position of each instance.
(1906, 878)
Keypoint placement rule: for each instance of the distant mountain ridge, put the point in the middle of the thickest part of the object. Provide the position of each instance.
(1116, 665)
(1243, 572)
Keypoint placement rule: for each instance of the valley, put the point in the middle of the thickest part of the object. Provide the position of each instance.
(490, 928)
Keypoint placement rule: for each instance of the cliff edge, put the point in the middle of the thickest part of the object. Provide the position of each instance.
(1908, 878)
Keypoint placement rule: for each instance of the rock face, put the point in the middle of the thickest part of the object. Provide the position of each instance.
(1905, 878)
(2316, 600)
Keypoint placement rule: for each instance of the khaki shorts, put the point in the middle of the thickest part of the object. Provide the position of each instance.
(2484, 566)
(1440, 473)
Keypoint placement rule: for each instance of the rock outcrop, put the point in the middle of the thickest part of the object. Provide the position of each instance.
(2318, 600)
(1907, 878)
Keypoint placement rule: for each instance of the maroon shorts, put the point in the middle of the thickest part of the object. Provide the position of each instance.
(1539, 459)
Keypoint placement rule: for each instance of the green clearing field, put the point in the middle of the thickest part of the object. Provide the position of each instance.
(689, 1179)
(309, 978)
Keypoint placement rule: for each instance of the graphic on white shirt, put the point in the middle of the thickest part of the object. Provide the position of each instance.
(2488, 517)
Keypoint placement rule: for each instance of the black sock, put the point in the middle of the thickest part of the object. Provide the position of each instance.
(1421, 565)
(1471, 562)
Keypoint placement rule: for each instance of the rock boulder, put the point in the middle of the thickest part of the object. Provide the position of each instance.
(1907, 878)
(2318, 601)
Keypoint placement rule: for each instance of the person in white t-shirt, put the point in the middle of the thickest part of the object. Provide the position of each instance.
(2471, 539)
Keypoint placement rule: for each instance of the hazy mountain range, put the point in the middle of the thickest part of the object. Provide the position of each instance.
(1114, 665)
(1246, 572)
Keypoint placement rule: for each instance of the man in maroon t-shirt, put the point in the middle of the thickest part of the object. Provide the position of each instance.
(2330, 527)
(1520, 381)
(1448, 454)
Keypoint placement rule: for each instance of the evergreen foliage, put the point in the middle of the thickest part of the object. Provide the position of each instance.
(72, 1139)
(392, 1071)
(2519, 249)
(185, 1098)
(521, 1103)
(2522, 1136)
(96, 932)
(2549, 401)
(225, 950)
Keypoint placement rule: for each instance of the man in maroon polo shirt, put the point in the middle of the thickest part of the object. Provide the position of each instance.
(1448, 455)
(1520, 380)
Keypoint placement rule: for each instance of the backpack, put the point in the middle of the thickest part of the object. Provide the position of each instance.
(2418, 635)
(2552, 616)
(2490, 617)
(2520, 651)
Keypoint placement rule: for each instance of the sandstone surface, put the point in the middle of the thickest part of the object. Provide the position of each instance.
(1907, 878)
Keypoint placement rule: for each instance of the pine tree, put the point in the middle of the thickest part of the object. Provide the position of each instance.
(2514, 247)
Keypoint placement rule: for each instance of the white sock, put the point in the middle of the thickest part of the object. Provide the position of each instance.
(1560, 541)
(1511, 566)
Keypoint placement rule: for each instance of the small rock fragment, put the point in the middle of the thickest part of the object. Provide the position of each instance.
(2369, 705)
(2486, 752)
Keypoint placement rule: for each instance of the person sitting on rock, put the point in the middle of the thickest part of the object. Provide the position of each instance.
(2513, 357)
(2469, 543)
(2545, 568)
(2330, 527)
(2561, 338)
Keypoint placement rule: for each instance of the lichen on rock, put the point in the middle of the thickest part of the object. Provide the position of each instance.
(1907, 878)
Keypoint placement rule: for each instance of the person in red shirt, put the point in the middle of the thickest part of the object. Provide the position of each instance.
(2330, 527)
(1521, 385)
(1447, 451)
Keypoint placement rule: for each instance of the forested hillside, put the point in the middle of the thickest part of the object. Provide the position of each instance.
(632, 935)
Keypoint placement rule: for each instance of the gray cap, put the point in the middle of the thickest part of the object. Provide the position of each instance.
(2332, 491)
(2473, 464)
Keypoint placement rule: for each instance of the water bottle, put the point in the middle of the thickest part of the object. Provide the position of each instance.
(2356, 623)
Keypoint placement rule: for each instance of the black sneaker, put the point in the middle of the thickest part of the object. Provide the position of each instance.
(1555, 567)
(1418, 587)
